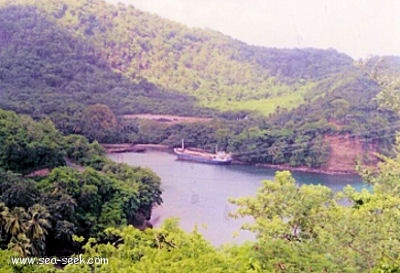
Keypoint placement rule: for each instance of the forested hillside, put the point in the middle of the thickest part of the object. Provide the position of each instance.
(53, 187)
(63, 59)
(47, 70)
(94, 38)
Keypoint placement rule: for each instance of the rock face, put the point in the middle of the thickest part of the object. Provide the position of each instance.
(346, 151)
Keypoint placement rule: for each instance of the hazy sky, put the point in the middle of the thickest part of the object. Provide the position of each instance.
(356, 27)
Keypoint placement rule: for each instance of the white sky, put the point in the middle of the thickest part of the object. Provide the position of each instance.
(358, 28)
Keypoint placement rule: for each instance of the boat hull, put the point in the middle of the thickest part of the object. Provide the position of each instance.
(201, 157)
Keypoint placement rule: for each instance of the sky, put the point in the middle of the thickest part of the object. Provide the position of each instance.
(359, 28)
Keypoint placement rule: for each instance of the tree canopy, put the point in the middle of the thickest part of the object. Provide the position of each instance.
(53, 187)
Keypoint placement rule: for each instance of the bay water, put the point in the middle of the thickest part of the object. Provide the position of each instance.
(198, 194)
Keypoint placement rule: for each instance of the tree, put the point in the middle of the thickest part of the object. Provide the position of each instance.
(16, 223)
(4, 218)
(165, 249)
(21, 193)
(97, 121)
(37, 228)
(26, 145)
(20, 244)
(63, 207)
(285, 217)
(309, 229)
(389, 97)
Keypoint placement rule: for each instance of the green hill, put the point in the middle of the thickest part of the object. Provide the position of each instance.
(104, 47)
(57, 58)
(47, 70)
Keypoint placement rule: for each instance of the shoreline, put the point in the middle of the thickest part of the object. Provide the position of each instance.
(135, 148)
(284, 167)
(142, 148)
(308, 169)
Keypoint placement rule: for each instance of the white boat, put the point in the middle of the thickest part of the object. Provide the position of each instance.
(198, 155)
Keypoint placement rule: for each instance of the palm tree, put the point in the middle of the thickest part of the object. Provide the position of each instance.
(16, 222)
(4, 217)
(37, 227)
(20, 244)
(64, 231)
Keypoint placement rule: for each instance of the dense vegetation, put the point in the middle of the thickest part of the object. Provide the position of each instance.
(100, 49)
(77, 66)
(46, 70)
(63, 59)
(304, 228)
(53, 187)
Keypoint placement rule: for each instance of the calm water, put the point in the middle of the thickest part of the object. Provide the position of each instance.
(198, 194)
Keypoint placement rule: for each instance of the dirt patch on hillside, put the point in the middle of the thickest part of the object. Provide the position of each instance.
(39, 173)
(169, 119)
(346, 151)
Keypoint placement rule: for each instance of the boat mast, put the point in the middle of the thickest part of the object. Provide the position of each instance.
(183, 144)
